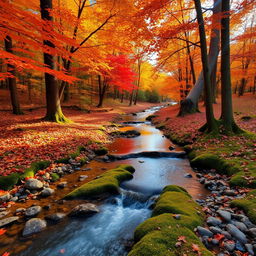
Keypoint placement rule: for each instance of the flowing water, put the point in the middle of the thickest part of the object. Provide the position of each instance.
(110, 232)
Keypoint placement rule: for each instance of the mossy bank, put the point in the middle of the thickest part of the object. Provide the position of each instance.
(106, 184)
(175, 214)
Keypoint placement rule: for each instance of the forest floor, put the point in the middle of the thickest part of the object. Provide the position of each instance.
(26, 138)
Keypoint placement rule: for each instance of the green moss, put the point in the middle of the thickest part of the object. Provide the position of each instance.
(35, 166)
(248, 205)
(83, 160)
(159, 234)
(7, 182)
(162, 239)
(64, 160)
(107, 183)
(127, 167)
(55, 177)
(101, 151)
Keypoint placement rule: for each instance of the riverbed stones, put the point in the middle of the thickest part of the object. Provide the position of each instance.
(225, 215)
(62, 184)
(235, 232)
(3, 214)
(252, 232)
(249, 248)
(212, 221)
(47, 192)
(33, 211)
(8, 221)
(56, 217)
(34, 226)
(82, 177)
(204, 232)
(84, 210)
(229, 245)
(188, 175)
(34, 184)
(5, 197)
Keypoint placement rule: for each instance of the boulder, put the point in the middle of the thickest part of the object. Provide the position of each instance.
(34, 226)
(33, 211)
(56, 217)
(84, 210)
(235, 232)
(8, 221)
(34, 184)
(47, 192)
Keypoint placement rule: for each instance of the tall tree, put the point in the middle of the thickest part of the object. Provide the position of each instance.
(211, 122)
(12, 79)
(54, 112)
(190, 104)
(226, 89)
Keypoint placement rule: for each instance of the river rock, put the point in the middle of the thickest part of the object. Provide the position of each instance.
(229, 245)
(47, 192)
(215, 230)
(83, 177)
(84, 210)
(241, 226)
(33, 226)
(235, 232)
(229, 192)
(252, 232)
(62, 184)
(33, 211)
(5, 197)
(212, 221)
(225, 215)
(34, 184)
(3, 214)
(56, 217)
(8, 221)
(249, 249)
(188, 175)
(204, 232)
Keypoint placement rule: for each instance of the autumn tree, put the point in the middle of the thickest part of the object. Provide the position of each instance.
(12, 79)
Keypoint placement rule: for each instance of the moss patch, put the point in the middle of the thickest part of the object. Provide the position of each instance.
(101, 151)
(107, 183)
(55, 177)
(159, 234)
(7, 182)
(36, 166)
(248, 204)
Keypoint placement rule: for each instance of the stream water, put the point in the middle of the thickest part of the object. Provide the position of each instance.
(109, 232)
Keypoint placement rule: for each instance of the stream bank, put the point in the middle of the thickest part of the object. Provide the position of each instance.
(151, 176)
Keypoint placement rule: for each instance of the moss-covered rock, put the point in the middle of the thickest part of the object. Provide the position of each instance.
(7, 182)
(36, 166)
(127, 167)
(101, 151)
(107, 183)
(158, 235)
(248, 204)
(55, 177)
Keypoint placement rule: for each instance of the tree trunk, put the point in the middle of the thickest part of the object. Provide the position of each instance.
(190, 104)
(12, 80)
(211, 122)
(138, 82)
(131, 98)
(102, 90)
(226, 89)
(54, 112)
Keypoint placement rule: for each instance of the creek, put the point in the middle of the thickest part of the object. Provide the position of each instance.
(110, 232)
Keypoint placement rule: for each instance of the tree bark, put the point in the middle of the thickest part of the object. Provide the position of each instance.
(211, 122)
(102, 91)
(12, 80)
(54, 112)
(226, 88)
(190, 104)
